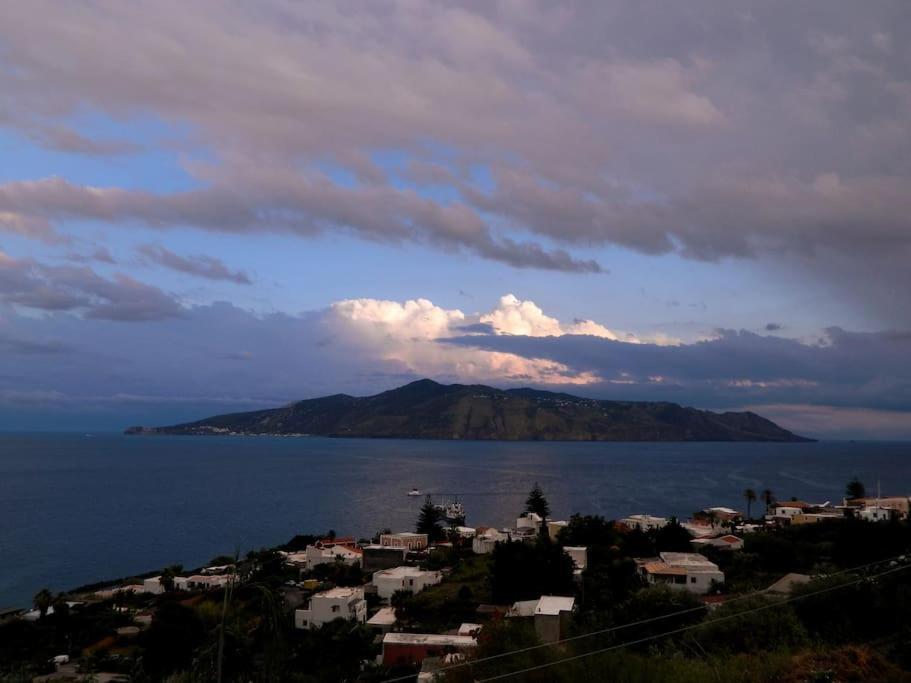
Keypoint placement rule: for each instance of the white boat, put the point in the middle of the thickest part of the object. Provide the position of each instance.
(414, 492)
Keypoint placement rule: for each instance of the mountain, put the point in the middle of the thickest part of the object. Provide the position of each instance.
(428, 410)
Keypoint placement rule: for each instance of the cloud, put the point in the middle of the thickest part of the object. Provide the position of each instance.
(407, 334)
(202, 266)
(65, 139)
(34, 285)
(849, 384)
(663, 130)
(286, 203)
(774, 327)
(845, 369)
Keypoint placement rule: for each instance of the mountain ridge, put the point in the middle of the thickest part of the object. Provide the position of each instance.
(425, 409)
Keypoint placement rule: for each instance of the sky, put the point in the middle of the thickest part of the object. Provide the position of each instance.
(217, 206)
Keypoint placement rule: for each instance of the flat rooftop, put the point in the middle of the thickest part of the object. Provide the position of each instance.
(688, 560)
(385, 617)
(402, 572)
(340, 592)
(554, 604)
(428, 639)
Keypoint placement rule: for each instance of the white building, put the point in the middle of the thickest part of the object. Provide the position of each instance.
(317, 555)
(529, 520)
(152, 585)
(579, 555)
(689, 571)
(484, 542)
(726, 542)
(384, 620)
(411, 579)
(644, 522)
(875, 513)
(406, 539)
(550, 612)
(337, 603)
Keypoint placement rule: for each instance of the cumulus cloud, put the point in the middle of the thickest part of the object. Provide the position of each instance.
(408, 335)
(198, 265)
(660, 129)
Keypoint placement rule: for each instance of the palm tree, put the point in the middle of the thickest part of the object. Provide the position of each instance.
(750, 497)
(43, 600)
(61, 607)
(768, 498)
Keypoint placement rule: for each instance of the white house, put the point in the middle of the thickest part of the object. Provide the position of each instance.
(550, 612)
(337, 603)
(726, 542)
(689, 571)
(484, 542)
(411, 579)
(315, 555)
(644, 522)
(529, 520)
(383, 621)
(579, 555)
(875, 513)
(152, 585)
(406, 539)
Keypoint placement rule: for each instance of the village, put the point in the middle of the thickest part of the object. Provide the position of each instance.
(425, 604)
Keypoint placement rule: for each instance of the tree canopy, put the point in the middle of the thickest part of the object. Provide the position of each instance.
(855, 489)
(430, 521)
(537, 503)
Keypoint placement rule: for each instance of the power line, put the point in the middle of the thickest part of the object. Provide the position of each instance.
(689, 628)
(620, 627)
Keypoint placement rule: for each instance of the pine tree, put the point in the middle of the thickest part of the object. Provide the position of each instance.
(537, 503)
(855, 489)
(429, 521)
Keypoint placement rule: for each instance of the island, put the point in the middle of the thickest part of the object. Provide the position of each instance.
(425, 409)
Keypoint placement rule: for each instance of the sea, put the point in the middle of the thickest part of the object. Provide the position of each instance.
(81, 508)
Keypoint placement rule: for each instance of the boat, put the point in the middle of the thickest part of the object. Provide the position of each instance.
(414, 492)
(452, 512)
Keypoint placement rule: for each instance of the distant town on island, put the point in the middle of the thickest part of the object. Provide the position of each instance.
(801, 592)
(428, 410)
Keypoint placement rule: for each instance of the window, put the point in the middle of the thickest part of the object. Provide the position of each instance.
(335, 608)
(692, 579)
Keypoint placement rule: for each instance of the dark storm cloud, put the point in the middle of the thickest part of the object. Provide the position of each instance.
(777, 130)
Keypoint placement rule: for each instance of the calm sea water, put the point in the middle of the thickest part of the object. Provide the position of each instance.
(76, 509)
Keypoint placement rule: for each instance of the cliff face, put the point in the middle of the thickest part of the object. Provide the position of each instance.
(428, 410)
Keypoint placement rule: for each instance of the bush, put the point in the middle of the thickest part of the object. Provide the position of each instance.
(773, 628)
